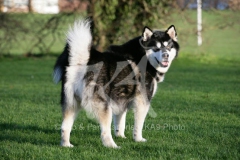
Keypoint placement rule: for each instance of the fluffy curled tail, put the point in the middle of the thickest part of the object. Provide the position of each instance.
(77, 50)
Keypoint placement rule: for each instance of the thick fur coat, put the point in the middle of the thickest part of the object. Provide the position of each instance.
(107, 84)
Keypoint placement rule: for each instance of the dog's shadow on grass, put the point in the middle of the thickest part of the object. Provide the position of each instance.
(20, 133)
(36, 135)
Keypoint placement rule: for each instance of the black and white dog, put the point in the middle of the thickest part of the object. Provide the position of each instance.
(107, 84)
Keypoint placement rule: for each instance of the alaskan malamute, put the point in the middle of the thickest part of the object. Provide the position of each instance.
(106, 84)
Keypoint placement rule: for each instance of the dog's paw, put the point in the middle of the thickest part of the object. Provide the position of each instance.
(116, 147)
(109, 143)
(123, 137)
(140, 140)
(120, 135)
(112, 146)
(67, 145)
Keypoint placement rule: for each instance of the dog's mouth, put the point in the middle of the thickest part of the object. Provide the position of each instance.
(164, 63)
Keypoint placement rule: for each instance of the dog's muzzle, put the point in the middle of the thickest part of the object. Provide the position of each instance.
(165, 56)
(164, 62)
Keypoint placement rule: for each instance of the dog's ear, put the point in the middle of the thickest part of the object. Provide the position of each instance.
(147, 33)
(171, 31)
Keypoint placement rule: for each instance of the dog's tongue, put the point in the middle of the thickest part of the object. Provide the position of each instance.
(164, 63)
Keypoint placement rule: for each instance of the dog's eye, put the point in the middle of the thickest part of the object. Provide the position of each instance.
(169, 46)
(155, 35)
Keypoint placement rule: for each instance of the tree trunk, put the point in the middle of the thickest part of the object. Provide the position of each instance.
(215, 3)
(1, 5)
(30, 9)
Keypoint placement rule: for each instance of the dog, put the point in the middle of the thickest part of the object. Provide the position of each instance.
(106, 84)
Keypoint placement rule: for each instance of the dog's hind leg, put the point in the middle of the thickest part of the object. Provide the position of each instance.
(119, 124)
(140, 112)
(69, 116)
(104, 116)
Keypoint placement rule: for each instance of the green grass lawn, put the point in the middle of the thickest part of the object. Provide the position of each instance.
(197, 109)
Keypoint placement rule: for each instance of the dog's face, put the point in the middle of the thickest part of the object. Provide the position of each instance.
(161, 47)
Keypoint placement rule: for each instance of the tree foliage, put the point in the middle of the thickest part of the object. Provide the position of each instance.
(116, 21)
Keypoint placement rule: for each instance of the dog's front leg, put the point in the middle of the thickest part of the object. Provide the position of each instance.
(140, 112)
(119, 124)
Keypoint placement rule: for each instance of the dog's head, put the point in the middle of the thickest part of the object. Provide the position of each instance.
(161, 47)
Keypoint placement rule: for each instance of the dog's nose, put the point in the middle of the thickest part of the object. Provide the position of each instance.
(165, 55)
